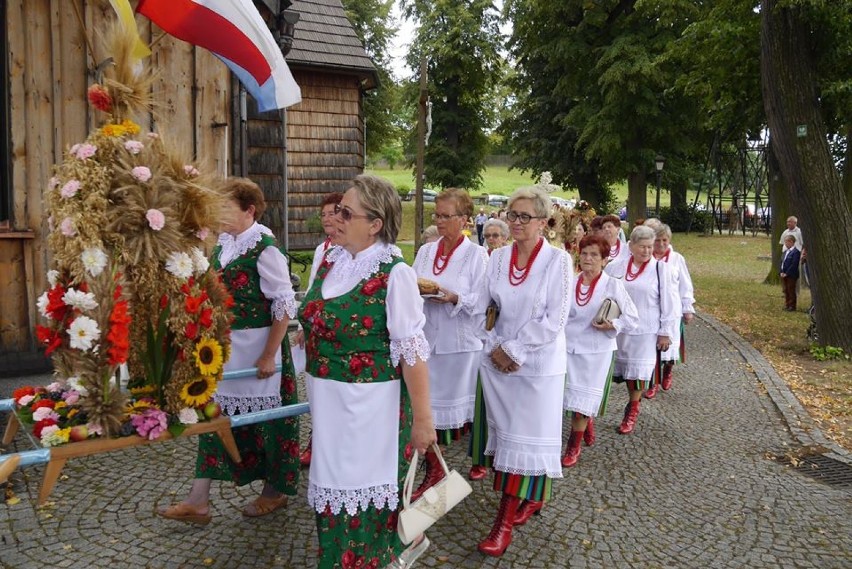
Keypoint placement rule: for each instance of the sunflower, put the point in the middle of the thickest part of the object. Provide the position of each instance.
(138, 406)
(208, 356)
(198, 391)
(142, 391)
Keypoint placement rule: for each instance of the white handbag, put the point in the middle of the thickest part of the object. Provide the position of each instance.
(415, 518)
(608, 311)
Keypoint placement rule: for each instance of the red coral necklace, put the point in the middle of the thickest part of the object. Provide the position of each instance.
(632, 276)
(581, 297)
(516, 274)
(617, 249)
(443, 259)
(665, 257)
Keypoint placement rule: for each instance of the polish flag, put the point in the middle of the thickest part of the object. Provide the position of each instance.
(235, 32)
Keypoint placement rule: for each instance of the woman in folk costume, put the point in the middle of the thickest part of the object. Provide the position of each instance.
(256, 274)
(523, 365)
(591, 346)
(683, 300)
(329, 226)
(457, 265)
(610, 226)
(647, 282)
(363, 321)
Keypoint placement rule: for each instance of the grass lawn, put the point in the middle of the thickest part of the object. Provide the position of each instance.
(728, 272)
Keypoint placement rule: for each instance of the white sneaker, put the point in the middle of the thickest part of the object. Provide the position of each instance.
(407, 558)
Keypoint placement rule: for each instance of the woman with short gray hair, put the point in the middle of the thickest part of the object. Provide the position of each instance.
(647, 282)
(496, 233)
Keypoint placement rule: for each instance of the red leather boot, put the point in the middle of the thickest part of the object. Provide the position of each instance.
(572, 450)
(434, 474)
(631, 413)
(589, 434)
(667, 375)
(500, 537)
(526, 511)
(477, 472)
(305, 457)
(651, 392)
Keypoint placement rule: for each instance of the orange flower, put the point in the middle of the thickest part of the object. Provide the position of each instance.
(193, 303)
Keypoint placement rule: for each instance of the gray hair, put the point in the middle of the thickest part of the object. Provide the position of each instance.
(653, 223)
(641, 233)
(381, 201)
(429, 232)
(499, 224)
(541, 201)
(664, 231)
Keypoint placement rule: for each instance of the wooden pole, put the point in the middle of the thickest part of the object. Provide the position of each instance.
(421, 152)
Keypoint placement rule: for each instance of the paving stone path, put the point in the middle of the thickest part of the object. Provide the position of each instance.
(692, 488)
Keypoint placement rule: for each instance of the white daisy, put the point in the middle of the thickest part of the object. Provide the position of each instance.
(188, 416)
(94, 260)
(52, 277)
(84, 332)
(179, 264)
(79, 299)
(74, 383)
(200, 261)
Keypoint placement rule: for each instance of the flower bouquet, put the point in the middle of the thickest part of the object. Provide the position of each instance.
(130, 220)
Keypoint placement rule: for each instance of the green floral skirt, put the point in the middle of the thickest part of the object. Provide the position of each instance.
(369, 538)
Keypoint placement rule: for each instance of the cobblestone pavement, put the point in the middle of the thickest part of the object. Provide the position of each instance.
(692, 487)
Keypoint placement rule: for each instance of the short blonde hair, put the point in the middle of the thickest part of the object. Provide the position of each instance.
(541, 201)
(380, 200)
(464, 205)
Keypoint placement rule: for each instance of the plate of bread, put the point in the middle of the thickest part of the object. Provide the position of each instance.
(429, 289)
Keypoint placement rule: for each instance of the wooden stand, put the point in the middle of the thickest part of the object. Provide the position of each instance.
(59, 455)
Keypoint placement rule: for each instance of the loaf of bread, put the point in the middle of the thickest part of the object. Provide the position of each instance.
(426, 286)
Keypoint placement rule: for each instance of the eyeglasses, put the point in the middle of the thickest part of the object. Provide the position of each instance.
(346, 214)
(524, 218)
(442, 217)
(491, 235)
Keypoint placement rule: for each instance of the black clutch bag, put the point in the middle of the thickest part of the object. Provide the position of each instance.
(491, 315)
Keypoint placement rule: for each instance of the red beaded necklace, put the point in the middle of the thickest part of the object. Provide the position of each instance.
(631, 276)
(664, 257)
(326, 244)
(617, 250)
(516, 274)
(581, 297)
(441, 259)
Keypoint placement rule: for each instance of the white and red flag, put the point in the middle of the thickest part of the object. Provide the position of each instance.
(235, 32)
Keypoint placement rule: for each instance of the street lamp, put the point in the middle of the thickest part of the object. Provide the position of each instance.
(659, 162)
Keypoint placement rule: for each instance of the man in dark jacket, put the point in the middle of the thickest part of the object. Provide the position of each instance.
(790, 272)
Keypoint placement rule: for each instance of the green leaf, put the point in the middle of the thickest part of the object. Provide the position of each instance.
(176, 429)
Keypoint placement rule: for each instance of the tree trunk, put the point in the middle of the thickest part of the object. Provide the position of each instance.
(590, 188)
(678, 195)
(779, 203)
(637, 190)
(847, 165)
(791, 102)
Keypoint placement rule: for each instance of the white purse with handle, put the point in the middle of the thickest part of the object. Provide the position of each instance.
(415, 518)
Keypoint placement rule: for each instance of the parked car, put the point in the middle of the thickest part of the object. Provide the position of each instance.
(492, 200)
(428, 195)
(562, 202)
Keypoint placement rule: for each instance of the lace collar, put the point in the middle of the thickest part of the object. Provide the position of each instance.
(365, 263)
(233, 247)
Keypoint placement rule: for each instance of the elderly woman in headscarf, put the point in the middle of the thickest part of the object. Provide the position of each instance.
(368, 382)
(523, 364)
(683, 299)
(647, 282)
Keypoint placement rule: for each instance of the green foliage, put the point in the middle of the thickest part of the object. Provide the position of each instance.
(678, 219)
(827, 353)
(314, 223)
(459, 40)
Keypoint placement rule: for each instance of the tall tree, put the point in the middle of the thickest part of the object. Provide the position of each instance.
(792, 55)
(372, 22)
(460, 40)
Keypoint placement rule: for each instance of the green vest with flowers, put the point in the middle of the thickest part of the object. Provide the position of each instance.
(346, 338)
(251, 308)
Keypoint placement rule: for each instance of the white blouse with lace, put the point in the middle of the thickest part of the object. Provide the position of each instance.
(251, 393)
(356, 425)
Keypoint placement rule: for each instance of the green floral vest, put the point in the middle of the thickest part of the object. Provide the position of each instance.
(346, 338)
(251, 308)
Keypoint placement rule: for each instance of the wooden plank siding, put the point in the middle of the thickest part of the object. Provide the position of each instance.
(50, 69)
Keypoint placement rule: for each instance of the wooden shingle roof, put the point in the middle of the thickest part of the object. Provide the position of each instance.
(325, 38)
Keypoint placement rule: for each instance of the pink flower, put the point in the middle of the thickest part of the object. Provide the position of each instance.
(54, 387)
(67, 227)
(151, 423)
(86, 151)
(141, 173)
(153, 135)
(74, 149)
(71, 397)
(156, 219)
(95, 429)
(202, 233)
(70, 189)
(190, 170)
(25, 400)
(133, 146)
(54, 182)
(43, 413)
